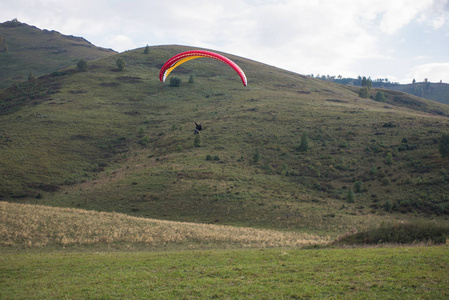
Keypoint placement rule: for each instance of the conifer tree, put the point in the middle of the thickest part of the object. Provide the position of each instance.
(121, 64)
(304, 145)
(444, 145)
(350, 197)
(197, 141)
(364, 81)
(30, 76)
(256, 155)
(380, 96)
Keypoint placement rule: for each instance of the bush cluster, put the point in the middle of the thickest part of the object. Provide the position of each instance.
(399, 233)
(175, 82)
(418, 204)
(81, 66)
(215, 158)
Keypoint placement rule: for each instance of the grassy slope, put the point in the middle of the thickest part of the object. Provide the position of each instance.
(122, 141)
(370, 273)
(40, 52)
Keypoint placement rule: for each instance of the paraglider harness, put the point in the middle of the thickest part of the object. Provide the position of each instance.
(198, 128)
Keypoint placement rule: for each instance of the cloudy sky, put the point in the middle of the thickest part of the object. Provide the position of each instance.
(395, 39)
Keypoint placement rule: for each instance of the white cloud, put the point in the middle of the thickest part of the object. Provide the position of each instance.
(122, 42)
(433, 71)
(336, 37)
(396, 14)
(438, 22)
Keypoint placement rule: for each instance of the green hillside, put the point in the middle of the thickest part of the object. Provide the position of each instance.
(25, 49)
(121, 141)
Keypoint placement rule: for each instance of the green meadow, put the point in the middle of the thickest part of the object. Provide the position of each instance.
(355, 273)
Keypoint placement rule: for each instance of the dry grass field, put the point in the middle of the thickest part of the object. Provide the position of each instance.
(34, 226)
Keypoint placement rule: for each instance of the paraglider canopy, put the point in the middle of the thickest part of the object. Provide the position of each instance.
(181, 58)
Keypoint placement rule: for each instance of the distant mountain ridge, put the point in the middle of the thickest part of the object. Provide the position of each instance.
(27, 50)
(433, 91)
(436, 91)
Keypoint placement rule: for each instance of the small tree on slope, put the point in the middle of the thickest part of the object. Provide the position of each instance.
(444, 145)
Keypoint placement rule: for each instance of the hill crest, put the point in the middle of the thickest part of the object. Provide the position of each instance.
(25, 48)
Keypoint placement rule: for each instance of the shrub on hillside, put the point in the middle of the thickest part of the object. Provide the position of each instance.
(81, 66)
(175, 82)
(358, 186)
(364, 92)
(144, 141)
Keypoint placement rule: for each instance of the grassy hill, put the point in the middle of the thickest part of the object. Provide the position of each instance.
(121, 141)
(25, 49)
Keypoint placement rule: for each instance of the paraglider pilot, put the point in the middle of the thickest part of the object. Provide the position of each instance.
(198, 128)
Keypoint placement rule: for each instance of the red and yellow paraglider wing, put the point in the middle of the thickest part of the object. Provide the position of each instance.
(181, 58)
(176, 64)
